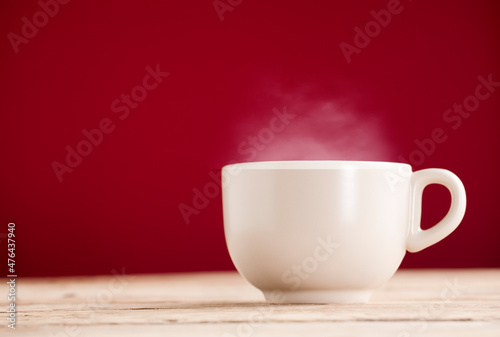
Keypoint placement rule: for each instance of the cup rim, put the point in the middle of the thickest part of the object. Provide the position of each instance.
(317, 165)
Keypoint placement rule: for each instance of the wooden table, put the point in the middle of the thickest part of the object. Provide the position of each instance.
(413, 303)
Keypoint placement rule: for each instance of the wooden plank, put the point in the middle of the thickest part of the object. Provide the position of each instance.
(289, 329)
(216, 303)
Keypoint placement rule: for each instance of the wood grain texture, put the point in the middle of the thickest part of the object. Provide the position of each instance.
(412, 303)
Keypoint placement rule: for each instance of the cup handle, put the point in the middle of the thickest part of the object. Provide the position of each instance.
(419, 239)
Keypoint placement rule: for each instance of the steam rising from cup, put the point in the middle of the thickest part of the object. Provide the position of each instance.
(315, 130)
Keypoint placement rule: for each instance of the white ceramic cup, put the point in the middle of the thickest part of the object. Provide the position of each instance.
(328, 231)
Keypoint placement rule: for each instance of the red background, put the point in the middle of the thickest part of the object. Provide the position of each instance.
(119, 208)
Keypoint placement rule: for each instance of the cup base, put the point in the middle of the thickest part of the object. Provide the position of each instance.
(318, 296)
